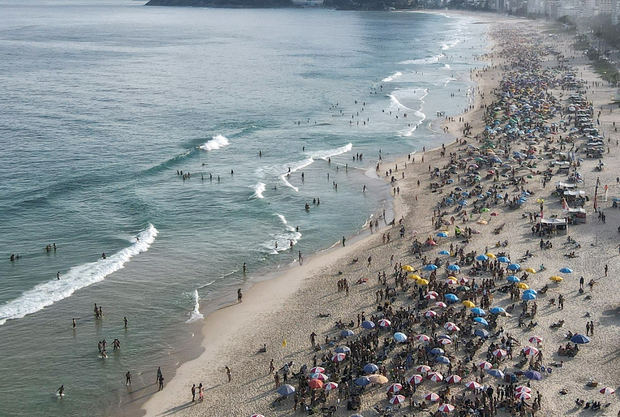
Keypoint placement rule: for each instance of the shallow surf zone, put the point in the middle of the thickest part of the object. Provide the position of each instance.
(216, 142)
(421, 61)
(392, 77)
(195, 314)
(284, 240)
(78, 277)
(259, 189)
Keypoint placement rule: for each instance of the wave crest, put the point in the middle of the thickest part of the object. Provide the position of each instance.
(217, 142)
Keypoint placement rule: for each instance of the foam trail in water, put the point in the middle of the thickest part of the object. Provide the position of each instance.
(195, 314)
(284, 239)
(78, 277)
(448, 45)
(259, 189)
(428, 60)
(392, 77)
(397, 104)
(295, 168)
(325, 155)
(217, 142)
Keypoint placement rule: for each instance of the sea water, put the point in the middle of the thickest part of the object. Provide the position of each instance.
(103, 102)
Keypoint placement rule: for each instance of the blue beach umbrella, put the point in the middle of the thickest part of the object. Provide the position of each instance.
(285, 390)
(478, 311)
(580, 339)
(496, 373)
(482, 257)
(370, 368)
(497, 310)
(530, 291)
(533, 375)
(480, 320)
(343, 349)
(346, 333)
(566, 270)
(400, 337)
(513, 278)
(437, 351)
(481, 333)
(503, 260)
(452, 298)
(430, 267)
(528, 296)
(454, 267)
(367, 324)
(362, 381)
(442, 359)
(444, 252)
(442, 234)
(513, 267)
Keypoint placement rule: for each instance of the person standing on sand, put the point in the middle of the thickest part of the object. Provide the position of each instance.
(271, 367)
(228, 374)
(193, 392)
(606, 269)
(343, 240)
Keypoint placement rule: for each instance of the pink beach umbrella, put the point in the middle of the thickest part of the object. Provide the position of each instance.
(607, 390)
(430, 314)
(415, 379)
(435, 376)
(523, 388)
(385, 323)
(530, 351)
(397, 399)
(440, 304)
(463, 281)
(431, 295)
(450, 326)
(422, 338)
(535, 339)
(331, 386)
(315, 384)
(445, 341)
(484, 365)
(500, 353)
(423, 369)
(432, 397)
(257, 415)
(446, 408)
(453, 379)
(338, 357)
(523, 395)
(320, 376)
(317, 370)
(473, 385)
(394, 388)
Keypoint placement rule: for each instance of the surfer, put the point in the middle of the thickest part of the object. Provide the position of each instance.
(103, 255)
(61, 391)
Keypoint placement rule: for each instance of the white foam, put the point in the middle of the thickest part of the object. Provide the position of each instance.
(397, 104)
(296, 167)
(449, 45)
(283, 239)
(78, 277)
(420, 61)
(392, 77)
(195, 314)
(217, 142)
(259, 189)
(446, 66)
(325, 155)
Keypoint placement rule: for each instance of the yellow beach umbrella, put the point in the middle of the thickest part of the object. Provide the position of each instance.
(414, 276)
(452, 278)
(378, 379)
(482, 221)
(490, 255)
(468, 304)
(556, 278)
(408, 268)
(523, 286)
(530, 270)
(422, 282)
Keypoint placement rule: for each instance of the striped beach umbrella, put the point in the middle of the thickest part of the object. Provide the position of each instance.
(500, 353)
(530, 351)
(422, 338)
(317, 370)
(521, 388)
(453, 379)
(430, 314)
(496, 373)
(339, 357)
(484, 365)
(473, 385)
(435, 376)
(423, 369)
(320, 376)
(445, 341)
(384, 323)
(394, 388)
(397, 399)
(440, 304)
(446, 408)
(415, 379)
(535, 339)
(607, 390)
(431, 295)
(450, 326)
(330, 386)
(257, 415)
(523, 395)
(432, 397)
(343, 349)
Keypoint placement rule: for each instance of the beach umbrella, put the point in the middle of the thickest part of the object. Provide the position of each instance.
(330, 386)
(566, 270)
(423, 369)
(523, 388)
(367, 324)
(473, 385)
(415, 379)
(442, 359)
(446, 408)
(445, 341)
(384, 323)
(394, 388)
(414, 276)
(442, 234)
(607, 390)
(444, 252)
(397, 399)
(533, 375)
(435, 376)
(530, 270)
(478, 311)
(500, 353)
(480, 320)
(315, 383)
(362, 381)
(497, 310)
(490, 255)
(481, 333)
(441, 304)
(530, 351)
(400, 337)
(408, 268)
(431, 295)
(437, 351)
(370, 368)
(523, 395)
(430, 267)
(285, 390)
(422, 338)
(453, 379)
(422, 282)
(320, 376)
(450, 281)
(338, 357)
(513, 278)
(504, 259)
(482, 257)
(430, 314)
(556, 278)
(454, 267)
(317, 370)
(377, 379)
(450, 326)
(513, 267)
(346, 333)
(580, 339)
(451, 298)
(432, 397)
(523, 286)
(496, 373)
(535, 339)
(257, 415)
(463, 281)
(468, 304)
(343, 349)
(484, 365)
(528, 296)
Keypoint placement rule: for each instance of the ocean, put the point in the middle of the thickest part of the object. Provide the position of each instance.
(105, 103)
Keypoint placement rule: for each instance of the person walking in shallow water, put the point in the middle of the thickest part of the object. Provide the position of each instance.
(239, 295)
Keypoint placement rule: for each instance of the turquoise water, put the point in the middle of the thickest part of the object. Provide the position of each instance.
(103, 102)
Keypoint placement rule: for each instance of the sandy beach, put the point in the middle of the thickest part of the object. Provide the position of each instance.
(283, 312)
